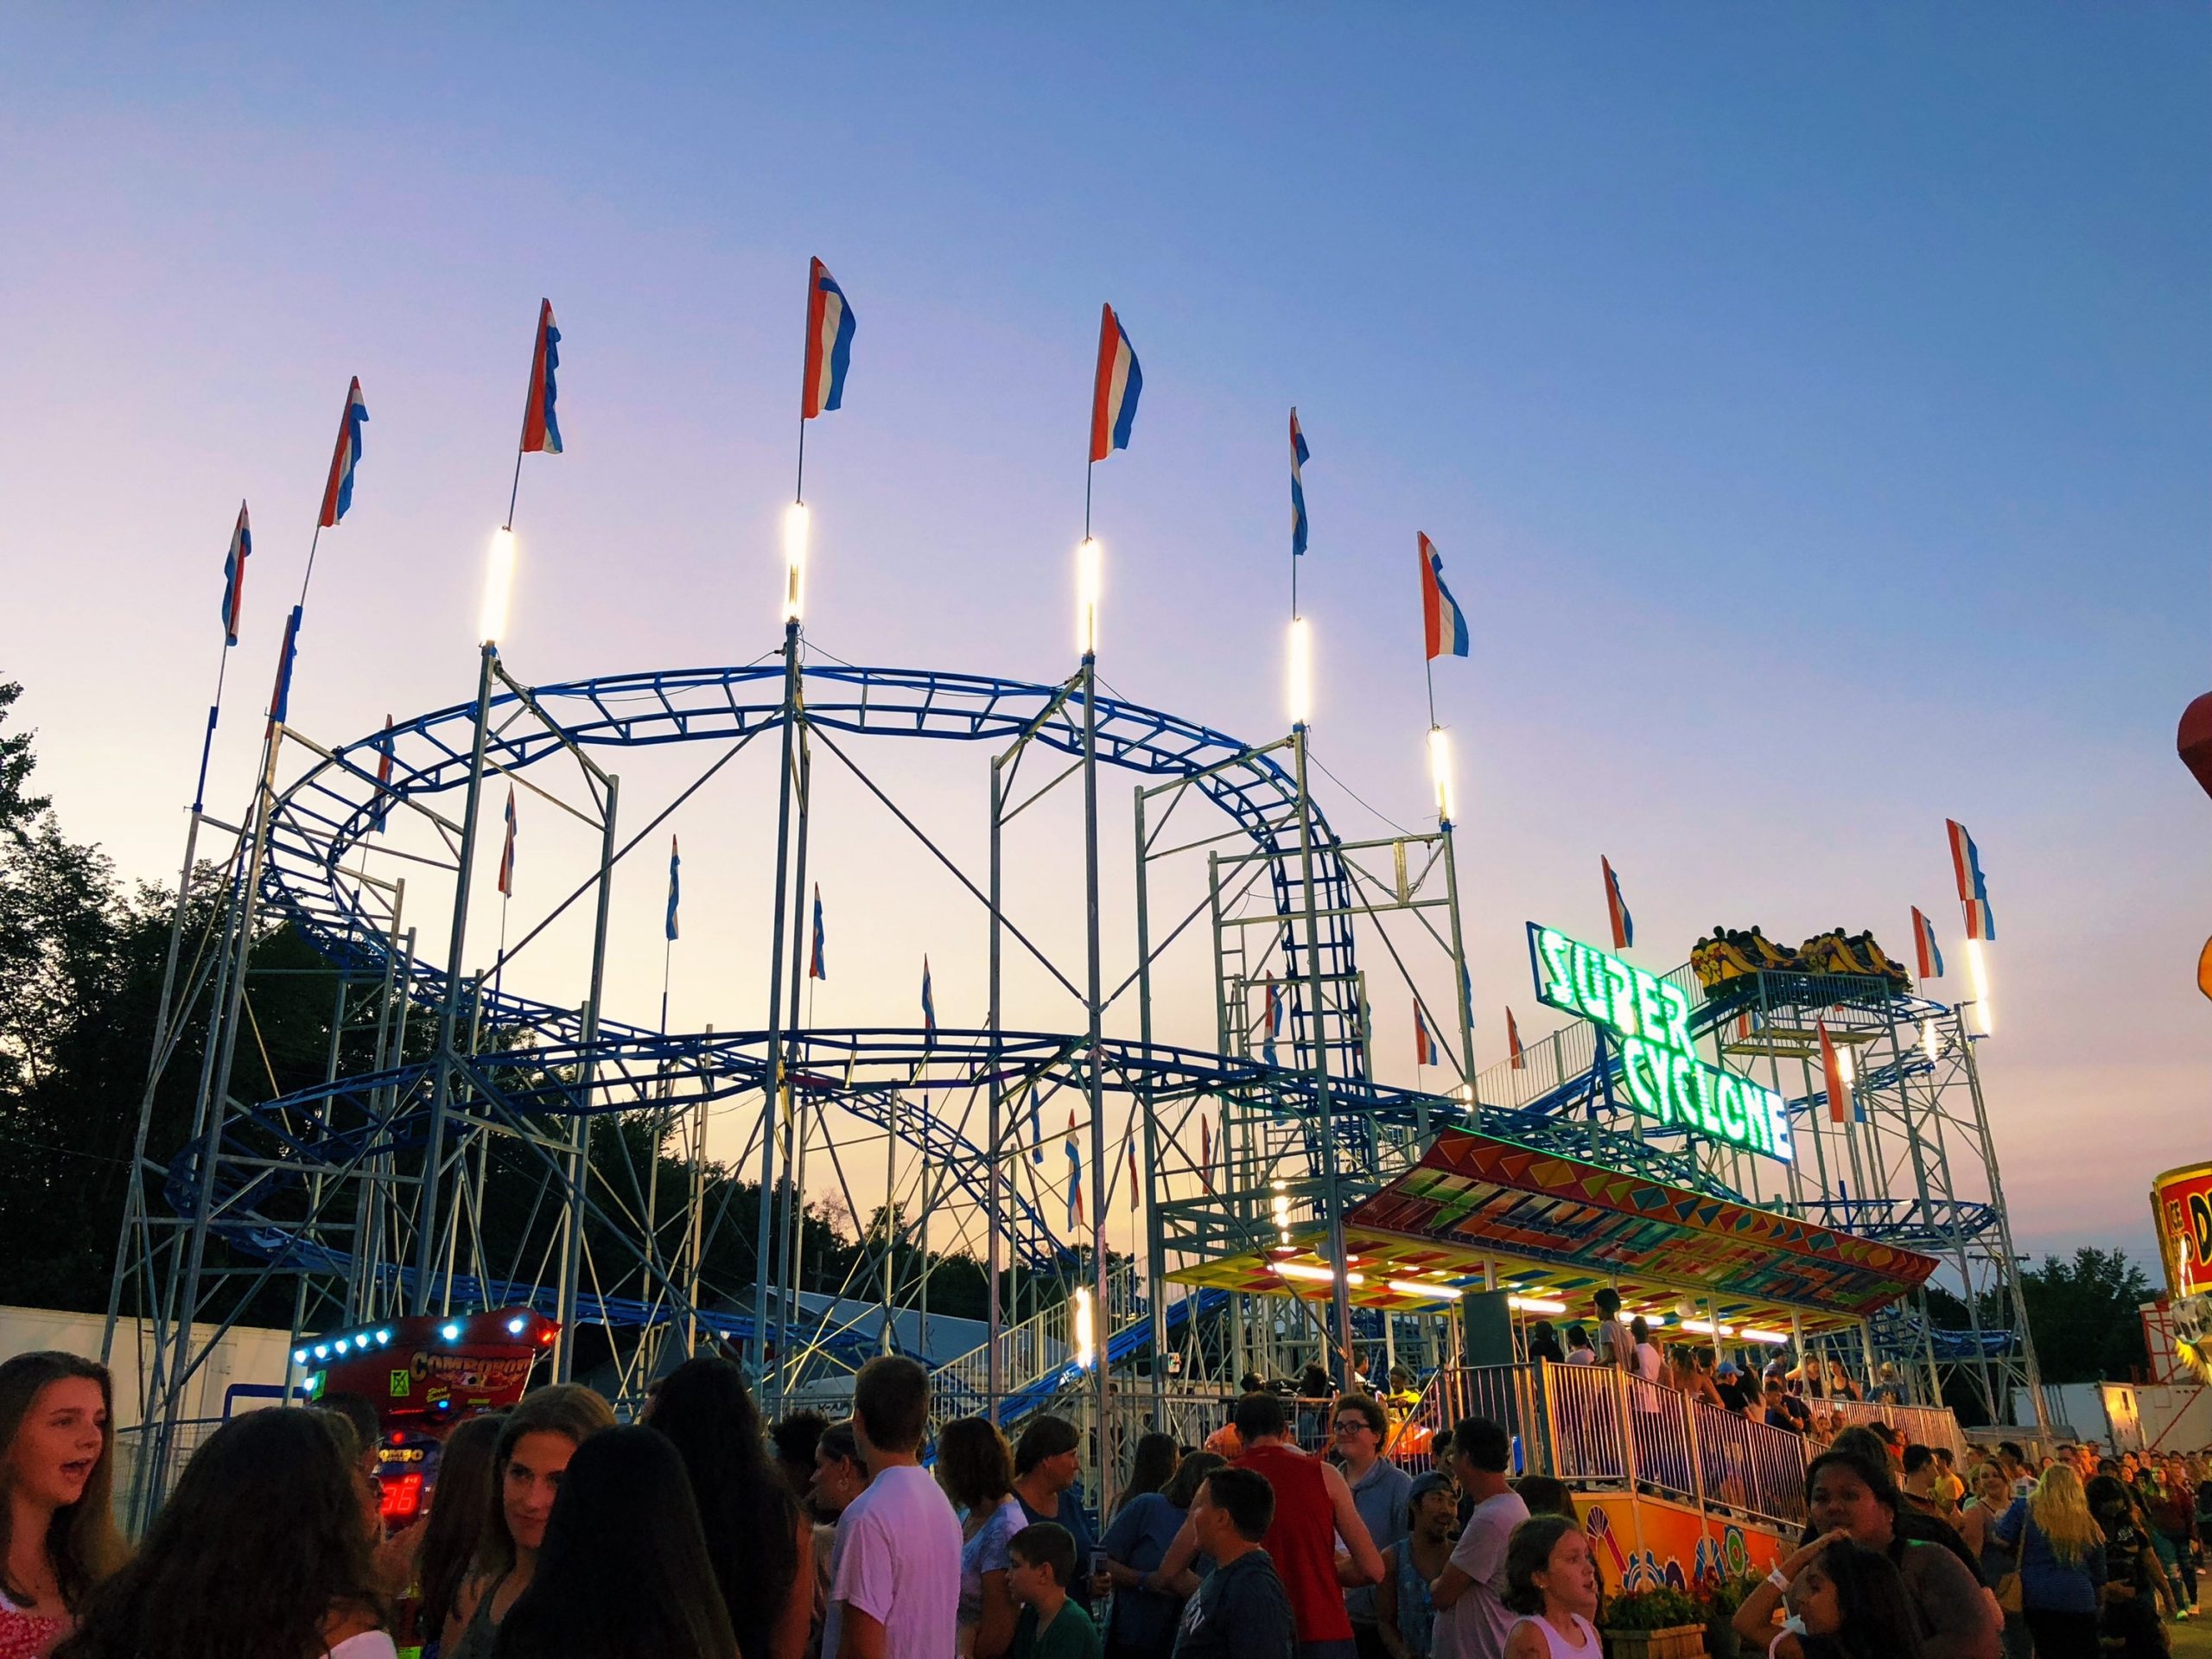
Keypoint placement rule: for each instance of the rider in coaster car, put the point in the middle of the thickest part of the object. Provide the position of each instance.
(1846, 960)
(1733, 950)
(1766, 953)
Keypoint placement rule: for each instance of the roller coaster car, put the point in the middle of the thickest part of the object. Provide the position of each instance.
(1838, 952)
(1730, 953)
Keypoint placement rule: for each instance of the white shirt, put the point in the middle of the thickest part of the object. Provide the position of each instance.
(1475, 1626)
(898, 1560)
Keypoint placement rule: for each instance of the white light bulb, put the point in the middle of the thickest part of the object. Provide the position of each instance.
(1301, 673)
(498, 588)
(1979, 970)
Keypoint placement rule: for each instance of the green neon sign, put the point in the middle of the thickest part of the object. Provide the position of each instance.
(1649, 1021)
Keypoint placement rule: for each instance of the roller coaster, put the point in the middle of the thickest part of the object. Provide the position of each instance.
(459, 1168)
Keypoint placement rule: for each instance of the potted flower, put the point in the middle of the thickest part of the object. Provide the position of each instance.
(1722, 1599)
(1661, 1623)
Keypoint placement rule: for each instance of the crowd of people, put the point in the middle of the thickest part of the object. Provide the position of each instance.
(702, 1532)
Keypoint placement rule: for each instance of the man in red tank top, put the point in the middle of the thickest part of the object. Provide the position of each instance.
(1314, 1510)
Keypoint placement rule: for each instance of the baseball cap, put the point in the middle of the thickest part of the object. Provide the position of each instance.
(1725, 1368)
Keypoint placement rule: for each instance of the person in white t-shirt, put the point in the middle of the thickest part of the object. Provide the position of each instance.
(1650, 1364)
(1616, 1347)
(1472, 1617)
(894, 1583)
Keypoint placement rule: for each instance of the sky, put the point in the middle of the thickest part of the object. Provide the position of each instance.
(1812, 407)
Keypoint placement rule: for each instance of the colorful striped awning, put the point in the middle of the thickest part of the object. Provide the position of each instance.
(1553, 1229)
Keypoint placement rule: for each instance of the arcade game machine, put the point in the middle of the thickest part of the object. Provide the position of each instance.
(425, 1375)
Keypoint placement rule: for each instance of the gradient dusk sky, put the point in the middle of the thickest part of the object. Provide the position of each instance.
(1812, 405)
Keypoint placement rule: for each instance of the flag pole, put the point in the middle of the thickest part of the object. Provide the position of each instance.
(308, 576)
(207, 742)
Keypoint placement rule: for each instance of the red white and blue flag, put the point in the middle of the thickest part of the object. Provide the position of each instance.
(1617, 908)
(1274, 1022)
(1924, 940)
(828, 343)
(1513, 1044)
(674, 888)
(1075, 1177)
(280, 700)
(338, 493)
(1443, 624)
(541, 432)
(1205, 1151)
(1114, 398)
(234, 577)
(929, 1008)
(818, 962)
(507, 850)
(1132, 1177)
(384, 779)
(1298, 456)
(1424, 1044)
(1974, 891)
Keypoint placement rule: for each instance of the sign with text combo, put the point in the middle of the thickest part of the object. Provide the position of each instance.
(1648, 1018)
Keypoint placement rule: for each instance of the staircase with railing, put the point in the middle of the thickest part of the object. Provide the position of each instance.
(1038, 1364)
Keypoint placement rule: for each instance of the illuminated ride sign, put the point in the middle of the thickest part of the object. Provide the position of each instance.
(2181, 1202)
(1648, 1020)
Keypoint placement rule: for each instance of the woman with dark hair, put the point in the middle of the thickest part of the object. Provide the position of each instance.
(1047, 1460)
(976, 1470)
(458, 1503)
(840, 1475)
(1152, 1468)
(1142, 1623)
(795, 1435)
(1543, 1343)
(761, 1548)
(57, 1465)
(1847, 1492)
(529, 1462)
(1551, 1581)
(623, 1572)
(1844, 1601)
(2130, 1593)
(260, 1552)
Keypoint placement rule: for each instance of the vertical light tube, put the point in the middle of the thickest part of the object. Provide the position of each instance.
(1086, 1339)
(1301, 673)
(1980, 971)
(1439, 772)
(498, 588)
(796, 531)
(1089, 560)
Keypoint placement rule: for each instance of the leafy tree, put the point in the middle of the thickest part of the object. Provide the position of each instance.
(17, 808)
(2083, 1314)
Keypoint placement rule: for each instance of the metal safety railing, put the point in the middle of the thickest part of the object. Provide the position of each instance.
(1922, 1425)
(1597, 1428)
(1037, 1348)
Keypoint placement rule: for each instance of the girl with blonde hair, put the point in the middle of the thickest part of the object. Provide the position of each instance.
(2061, 1564)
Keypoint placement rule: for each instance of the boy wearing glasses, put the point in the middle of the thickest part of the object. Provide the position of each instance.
(1381, 1492)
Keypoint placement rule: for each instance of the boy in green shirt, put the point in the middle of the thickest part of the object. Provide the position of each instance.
(1040, 1563)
